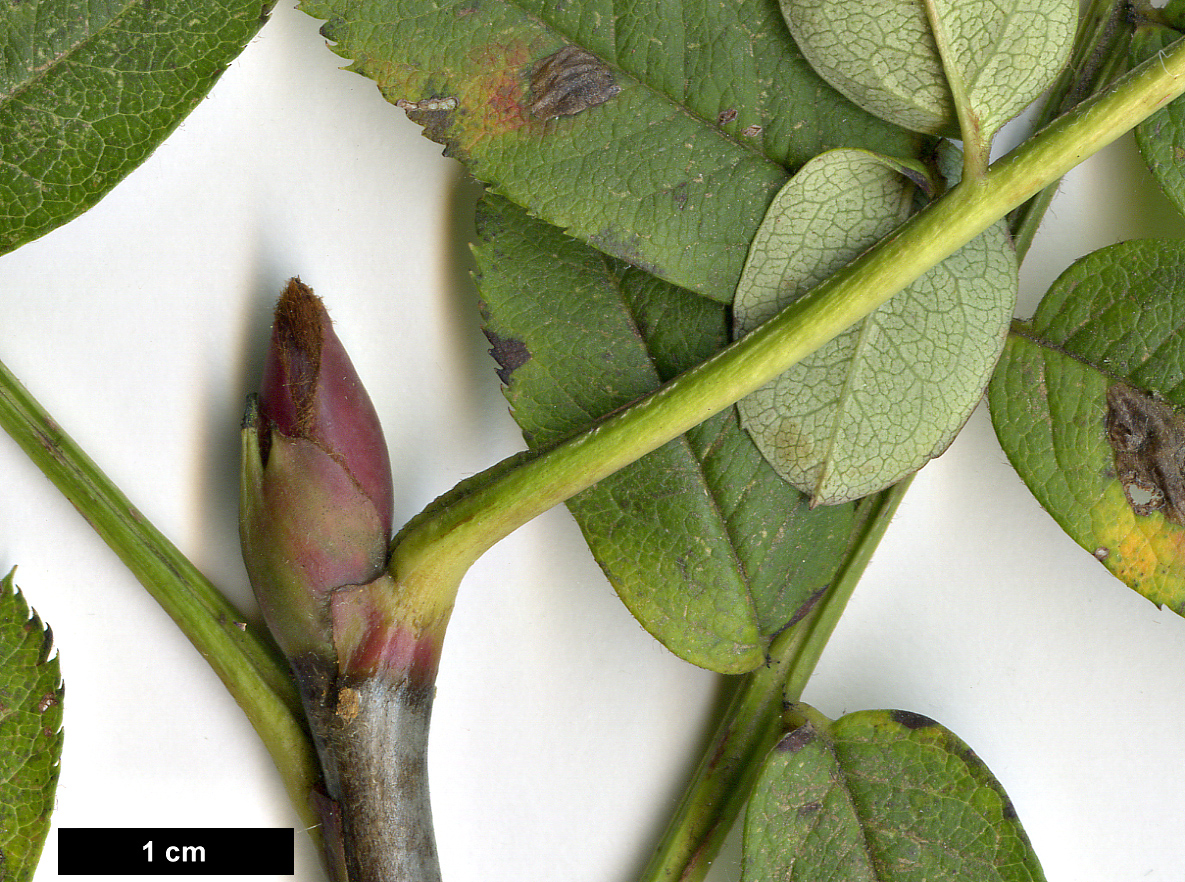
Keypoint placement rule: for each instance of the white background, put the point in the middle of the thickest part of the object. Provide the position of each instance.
(562, 732)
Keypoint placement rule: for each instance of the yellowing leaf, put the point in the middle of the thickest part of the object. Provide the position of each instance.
(1112, 321)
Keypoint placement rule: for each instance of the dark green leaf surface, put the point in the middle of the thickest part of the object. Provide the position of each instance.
(706, 545)
(1161, 137)
(1115, 315)
(881, 796)
(674, 172)
(30, 734)
(88, 91)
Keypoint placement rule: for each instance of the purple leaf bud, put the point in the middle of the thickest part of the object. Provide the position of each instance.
(311, 390)
(317, 497)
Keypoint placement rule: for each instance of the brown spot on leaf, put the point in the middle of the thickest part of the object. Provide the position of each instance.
(511, 354)
(809, 809)
(428, 105)
(434, 114)
(801, 612)
(796, 740)
(807, 606)
(569, 82)
(726, 116)
(679, 195)
(910, 720)
(1147, 437)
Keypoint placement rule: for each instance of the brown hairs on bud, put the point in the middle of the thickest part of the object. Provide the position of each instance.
(299, 329)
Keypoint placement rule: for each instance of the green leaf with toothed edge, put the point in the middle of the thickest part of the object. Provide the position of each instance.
(672, 172)
(1112, 324)
(88, 91)
(30, 733)
(881, 796)
(705, 544)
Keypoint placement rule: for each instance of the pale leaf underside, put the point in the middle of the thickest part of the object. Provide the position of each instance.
(890, 393)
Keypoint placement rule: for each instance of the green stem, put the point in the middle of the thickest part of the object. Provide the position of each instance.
(753, 724)
(431, 555)
(252, 669)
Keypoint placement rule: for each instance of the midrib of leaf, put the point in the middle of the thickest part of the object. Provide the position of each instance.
(974, 147)
(1027, 333)
(950, 69)
(855, 365)
(67, 53)
(996, 45)
(1105, 318)
(969, 86)
(843, 784)
(742, 575)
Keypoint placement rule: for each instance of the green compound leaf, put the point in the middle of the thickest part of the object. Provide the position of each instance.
(30, 733)
(881, 796)
(1107, 471)
(1161, 137)
(707, 547)
(929, 65)
(876, 403)
(88, 91)
(702, 108)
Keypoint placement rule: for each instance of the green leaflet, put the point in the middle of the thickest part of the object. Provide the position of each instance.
(707, 547)
(1161, 137)
(881, 796)
(30, 733)
(1112, 320)
(960, 68)
(877, 402)
(673, 172)
(87, 92)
